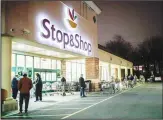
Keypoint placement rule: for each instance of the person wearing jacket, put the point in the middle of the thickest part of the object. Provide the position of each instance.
(38, 85)
(126, 81)
(131, 78)
(63, 81)
(14, 86)
(24, 86)
(135, 79)
(82, 86)
(112, 85)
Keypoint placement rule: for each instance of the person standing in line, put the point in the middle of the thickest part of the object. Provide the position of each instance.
(112, 85)
(38, 85)
(135, 79)
(63, 81)
(14, 86)
(126, 81)
(131, 78)
(82, 86)
(24, 86)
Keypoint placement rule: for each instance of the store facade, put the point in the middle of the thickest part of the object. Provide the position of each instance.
(54, 39)
(113, 66)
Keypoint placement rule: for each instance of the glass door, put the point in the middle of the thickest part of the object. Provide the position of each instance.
(49, 76)
(43, 76)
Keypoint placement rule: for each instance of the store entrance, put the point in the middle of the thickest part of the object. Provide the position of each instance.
(122, 73)
(49, 77)
(49, 69)
(31, 60)
(129, 72)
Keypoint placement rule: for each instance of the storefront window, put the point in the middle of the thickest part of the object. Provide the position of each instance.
(83, 70)
(48, 76)
(68, 71)
(114, 72)
(58, 64)
(79, 70)
(29, 61)
(36, 62)
(43, 76)
(54, 66)
(74, 72)
(45, 63)
(74, 69)
(104, 73)
(13, 60)
(12, 75)
(53, 76)
(21, 60)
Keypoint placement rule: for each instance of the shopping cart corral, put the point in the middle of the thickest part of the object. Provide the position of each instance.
(107, 87)
(87, 86)
(110, 87)
(62, 89)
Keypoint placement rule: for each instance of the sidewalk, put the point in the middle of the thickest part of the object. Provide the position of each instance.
(50, 100)
(46, 101)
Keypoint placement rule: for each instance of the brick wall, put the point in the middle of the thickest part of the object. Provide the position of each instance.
(92, 68)
(92, 72)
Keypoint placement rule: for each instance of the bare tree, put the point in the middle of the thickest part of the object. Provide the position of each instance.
(152, 51)
(120, 47)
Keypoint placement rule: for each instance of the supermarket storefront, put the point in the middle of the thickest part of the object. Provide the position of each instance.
(52, 42)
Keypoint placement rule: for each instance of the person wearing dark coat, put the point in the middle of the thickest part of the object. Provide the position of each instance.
(14, 86)
(131, 78)
(24, 86)
(63, 80)
(38, 85)
(82, 86)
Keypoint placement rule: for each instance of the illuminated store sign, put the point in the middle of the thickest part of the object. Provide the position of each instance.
(66, 39)
(64, 30)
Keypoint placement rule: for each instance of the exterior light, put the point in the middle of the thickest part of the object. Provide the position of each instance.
(12, 30)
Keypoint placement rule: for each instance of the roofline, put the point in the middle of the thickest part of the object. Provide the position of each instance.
(93, 6)
(101, 47)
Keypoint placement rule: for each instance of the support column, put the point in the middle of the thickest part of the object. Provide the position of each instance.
(126, 72)
(6, 64)
(109, 71)
(92, 72)
(63, 68)
(119, 72)
(131, 71)
(8, 102)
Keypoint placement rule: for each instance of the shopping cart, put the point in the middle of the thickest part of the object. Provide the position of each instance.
(106, 87)
(58, 87)
(71, 88)
(86, 88)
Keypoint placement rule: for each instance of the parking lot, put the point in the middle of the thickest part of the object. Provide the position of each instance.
(143, 101)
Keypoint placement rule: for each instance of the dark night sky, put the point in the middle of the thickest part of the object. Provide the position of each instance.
(133, 20)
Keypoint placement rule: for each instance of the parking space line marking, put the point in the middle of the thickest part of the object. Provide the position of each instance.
(36, 115)
(96, 98)
(76, 104)
(95, 104)
(84, 100)
(60, 109)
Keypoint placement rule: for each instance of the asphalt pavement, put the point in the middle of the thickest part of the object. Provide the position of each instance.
(141, 102)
